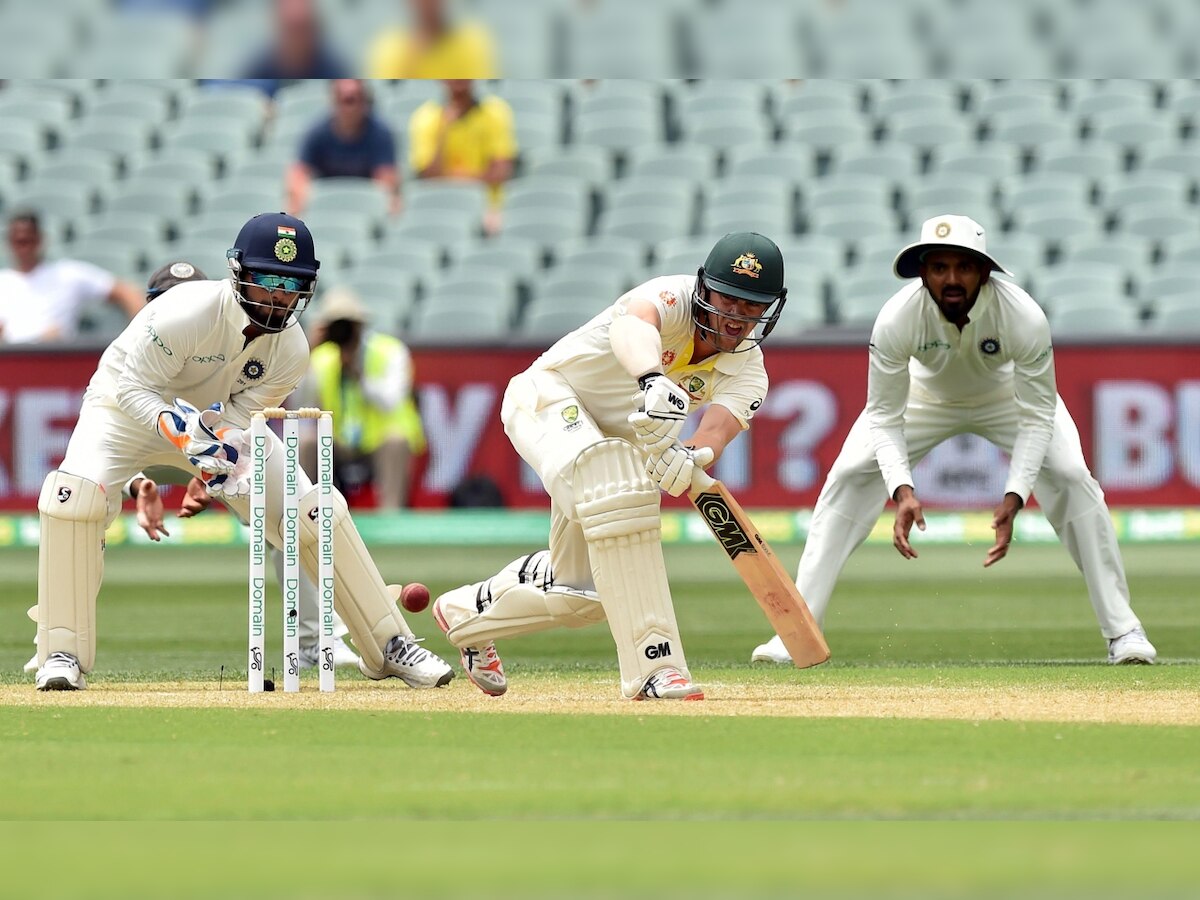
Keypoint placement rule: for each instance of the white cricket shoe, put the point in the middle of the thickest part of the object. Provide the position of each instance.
(670, 684)
(61, 673)
(32, 665)
(482, 664)
(772, 651)
(1131, 647)
(406, 659)
(342, 654)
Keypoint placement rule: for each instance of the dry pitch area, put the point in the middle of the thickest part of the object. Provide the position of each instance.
(593, 695)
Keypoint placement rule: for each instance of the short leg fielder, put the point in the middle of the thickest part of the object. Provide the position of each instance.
(854, 496)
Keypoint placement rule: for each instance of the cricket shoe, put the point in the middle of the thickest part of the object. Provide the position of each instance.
(669, 684)
(1131, 647)
(342, 654)
(772, 651)
(482, 664)
(406, 659)
(61, 673)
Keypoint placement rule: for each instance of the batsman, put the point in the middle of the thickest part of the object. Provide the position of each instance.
(598, 416)
(176, 388)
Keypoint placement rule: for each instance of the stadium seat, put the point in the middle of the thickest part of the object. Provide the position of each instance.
(992, 159)
(852, 189)
(592, 164)
(1178, 320)
(857, 299)
(1066, 190)
(1117, 321)
(672, 160)
(1129, 253)
(613, 253)
(927, 130)
(896, 162)
(1150, 220)
(1097, 161)
(360, 196)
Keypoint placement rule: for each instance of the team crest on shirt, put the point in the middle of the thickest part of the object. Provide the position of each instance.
(668, 298)
(990, 346)
(668, 357)
(570, 415)
(747, 264)
(253, 369)
(695, 386)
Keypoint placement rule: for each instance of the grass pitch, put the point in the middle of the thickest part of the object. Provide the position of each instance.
(976, 701)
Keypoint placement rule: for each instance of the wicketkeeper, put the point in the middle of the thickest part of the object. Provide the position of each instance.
(176, 388)
(598, 417)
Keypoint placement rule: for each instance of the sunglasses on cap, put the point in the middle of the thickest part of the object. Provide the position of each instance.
(291, 283)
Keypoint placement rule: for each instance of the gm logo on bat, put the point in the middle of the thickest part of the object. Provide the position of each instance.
(720, 519)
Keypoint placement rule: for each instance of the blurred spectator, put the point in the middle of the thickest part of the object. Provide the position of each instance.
(298, 49)
(365, 378)
(42, 301)
(435, 45)
(465, 138)
(193, 9)
(350, 143)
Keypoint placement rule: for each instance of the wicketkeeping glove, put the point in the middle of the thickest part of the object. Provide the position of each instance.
(662, 408)
(198, 436)
(672, 470)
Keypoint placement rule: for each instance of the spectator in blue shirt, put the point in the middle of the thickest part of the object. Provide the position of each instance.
(350, 143)
(298, 49)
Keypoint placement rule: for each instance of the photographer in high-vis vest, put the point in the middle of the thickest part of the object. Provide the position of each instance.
(365, 378)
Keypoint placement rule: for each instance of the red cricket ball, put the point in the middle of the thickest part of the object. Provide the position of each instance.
(414, 597)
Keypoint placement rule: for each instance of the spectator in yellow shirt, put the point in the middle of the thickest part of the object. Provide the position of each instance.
(435, 46)
(465, 138)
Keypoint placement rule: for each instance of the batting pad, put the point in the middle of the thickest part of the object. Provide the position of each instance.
(70, 566)
(519, 609)
(618, 507)
(359, 594)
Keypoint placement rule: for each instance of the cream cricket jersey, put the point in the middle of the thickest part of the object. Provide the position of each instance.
(737, 381)
(188, 343)
(1003, 351)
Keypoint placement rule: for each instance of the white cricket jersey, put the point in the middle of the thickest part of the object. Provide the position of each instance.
(45, 303)
(1004, 350)
(737, 381)
(189, 343)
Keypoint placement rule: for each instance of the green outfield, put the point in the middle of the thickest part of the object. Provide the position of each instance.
(955, 693)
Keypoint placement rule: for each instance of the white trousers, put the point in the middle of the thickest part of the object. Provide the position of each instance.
(533, 416)
(854, 495)
(109, 448)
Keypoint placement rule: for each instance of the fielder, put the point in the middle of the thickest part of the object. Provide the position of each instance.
(958, 352)
(598, 417)
(175, 389)
(143, 490)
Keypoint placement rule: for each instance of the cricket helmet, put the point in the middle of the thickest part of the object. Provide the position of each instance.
(748, 266)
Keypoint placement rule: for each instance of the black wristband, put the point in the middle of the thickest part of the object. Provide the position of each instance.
(645, 379)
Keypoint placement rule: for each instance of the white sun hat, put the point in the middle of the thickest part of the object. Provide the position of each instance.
(944, 233)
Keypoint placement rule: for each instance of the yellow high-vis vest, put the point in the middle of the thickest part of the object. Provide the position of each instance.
(357, 423)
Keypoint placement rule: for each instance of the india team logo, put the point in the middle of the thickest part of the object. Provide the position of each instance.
(254, 369)
(942, 229)
(747, 264)
(285, 250)
(990, 346)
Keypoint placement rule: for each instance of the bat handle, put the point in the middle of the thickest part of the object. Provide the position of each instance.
(701, 481)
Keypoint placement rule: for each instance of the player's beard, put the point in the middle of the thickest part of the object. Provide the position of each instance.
(958, 303)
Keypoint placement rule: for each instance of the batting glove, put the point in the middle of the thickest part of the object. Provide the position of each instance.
(662, 408)
(672, 470)
(197, 435)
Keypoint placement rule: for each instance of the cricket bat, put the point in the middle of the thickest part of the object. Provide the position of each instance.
(760, 569)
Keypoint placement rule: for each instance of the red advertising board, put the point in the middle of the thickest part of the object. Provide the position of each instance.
(1137, 408)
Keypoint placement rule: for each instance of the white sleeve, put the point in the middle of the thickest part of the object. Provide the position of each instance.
(152, 361)
(1037, 399)
(887, 398)
(93, 282)
(744, 393)
(388, 391)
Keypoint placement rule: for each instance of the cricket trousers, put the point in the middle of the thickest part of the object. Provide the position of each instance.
(854, 495)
